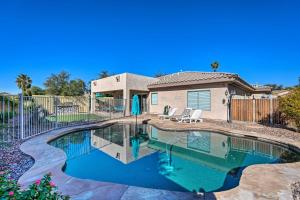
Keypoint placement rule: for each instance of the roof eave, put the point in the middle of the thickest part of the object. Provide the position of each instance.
(185, 83)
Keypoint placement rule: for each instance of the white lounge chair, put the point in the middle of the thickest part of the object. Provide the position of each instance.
(195, 117)
(171, 113)
(185, 114)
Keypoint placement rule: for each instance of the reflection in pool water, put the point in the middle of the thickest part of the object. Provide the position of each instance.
(179, 161)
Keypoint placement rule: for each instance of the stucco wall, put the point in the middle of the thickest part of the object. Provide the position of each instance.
(109, 83)
(177, 97)
(138, 82)
(127, 81)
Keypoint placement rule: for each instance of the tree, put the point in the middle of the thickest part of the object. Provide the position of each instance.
(103, 74)
(214, 66)
(289, 105)
(159, 74)
(60, 84)
(275, 86)
(24, 83)
(35, 90)
(77, 87)
(57, 84)
(299, 81)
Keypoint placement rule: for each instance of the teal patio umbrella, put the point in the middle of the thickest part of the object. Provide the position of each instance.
(135, 142)
(135, 110)
(135, 107)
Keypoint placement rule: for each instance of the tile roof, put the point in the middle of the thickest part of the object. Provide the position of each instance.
(186, 78)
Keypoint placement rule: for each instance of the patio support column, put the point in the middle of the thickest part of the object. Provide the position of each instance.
(126, 96)
(92, 102)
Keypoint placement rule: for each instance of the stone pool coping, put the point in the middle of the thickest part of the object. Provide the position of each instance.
(266, 181)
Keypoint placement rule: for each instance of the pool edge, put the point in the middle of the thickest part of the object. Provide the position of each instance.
(66, 183)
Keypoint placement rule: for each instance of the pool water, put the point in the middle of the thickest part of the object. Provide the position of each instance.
(179, 161)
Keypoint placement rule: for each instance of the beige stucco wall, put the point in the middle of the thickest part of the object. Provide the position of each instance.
(177, 97)
(109, 83)
(138, 82)
(127, 82)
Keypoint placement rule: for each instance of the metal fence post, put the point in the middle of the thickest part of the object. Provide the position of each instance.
(89, 108)
(21, 115)
(109, 108)
(56, 114)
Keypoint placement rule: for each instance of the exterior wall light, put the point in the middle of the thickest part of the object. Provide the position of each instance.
(232, 93)
(226, 93)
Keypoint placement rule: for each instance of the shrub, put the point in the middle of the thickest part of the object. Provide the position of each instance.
(6, 116)
(296, 190)
(41, 189)
(290, 106)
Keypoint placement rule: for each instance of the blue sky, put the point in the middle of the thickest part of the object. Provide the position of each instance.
(258, 39)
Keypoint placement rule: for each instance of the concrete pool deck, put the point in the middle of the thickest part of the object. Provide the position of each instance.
(267, 181)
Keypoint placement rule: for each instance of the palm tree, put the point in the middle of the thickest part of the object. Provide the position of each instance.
(103, 74)
(24, 83)
(214, 66)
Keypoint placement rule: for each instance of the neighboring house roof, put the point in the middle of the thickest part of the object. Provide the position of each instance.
(281, 92)
(4, 93)
(262, 88)
(193, 78)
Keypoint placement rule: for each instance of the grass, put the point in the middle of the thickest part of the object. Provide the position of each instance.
(3, 125)
(73, 117)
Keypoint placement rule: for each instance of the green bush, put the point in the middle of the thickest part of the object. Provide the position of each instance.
(289, 105)
(43, 189)
(6, 116)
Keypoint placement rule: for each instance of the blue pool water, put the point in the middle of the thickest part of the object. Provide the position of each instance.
(152, 158)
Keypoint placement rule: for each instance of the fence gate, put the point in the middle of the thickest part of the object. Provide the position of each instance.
(22, 117)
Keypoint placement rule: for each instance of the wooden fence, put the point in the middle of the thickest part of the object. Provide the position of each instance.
(263, 111)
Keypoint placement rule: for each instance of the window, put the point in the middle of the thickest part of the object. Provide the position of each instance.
(154, 99)
(199, 100)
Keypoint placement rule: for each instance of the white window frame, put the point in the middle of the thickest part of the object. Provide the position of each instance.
(155, 93)
(199, 90)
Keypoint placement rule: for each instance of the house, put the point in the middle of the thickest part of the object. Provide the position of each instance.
(209, 91)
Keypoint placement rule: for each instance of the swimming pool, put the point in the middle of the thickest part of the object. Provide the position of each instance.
(148, 157)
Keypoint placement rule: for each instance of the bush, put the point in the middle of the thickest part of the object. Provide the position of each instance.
(290, 106)
(6, 116)
(41, 189)
(296, 190)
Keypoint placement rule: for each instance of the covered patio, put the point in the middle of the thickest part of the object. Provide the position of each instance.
(119, 89)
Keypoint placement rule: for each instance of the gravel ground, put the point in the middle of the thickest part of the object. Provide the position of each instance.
(13, 160)
(296, 190)
(252, 127)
